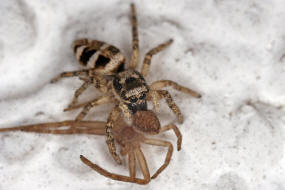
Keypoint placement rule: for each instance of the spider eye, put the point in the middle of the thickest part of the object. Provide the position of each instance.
(117, 85)
(142, 96)
(133, 99)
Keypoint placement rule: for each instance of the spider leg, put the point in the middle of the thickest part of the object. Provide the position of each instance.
(77, 106)
(143, 164)
(81, 105)
(101, 100)
(135, 52)
(132, 164)
(115, 113)
(164, 83)
(72, 107)
(171, 104)
(148, 56)
(63, 127)
(78, 92)
(99, 85)
(176, 131)
(154, 96)
(71, 74)
(168, 156)
(125, 110)
(98, 81)
(131, 178)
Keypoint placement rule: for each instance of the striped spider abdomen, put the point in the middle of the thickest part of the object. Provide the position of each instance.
(100, 56)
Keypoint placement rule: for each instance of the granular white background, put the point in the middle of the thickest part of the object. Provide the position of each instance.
(230, 51)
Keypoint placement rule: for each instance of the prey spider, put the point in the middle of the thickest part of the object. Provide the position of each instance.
(126, 87)
(128, 137)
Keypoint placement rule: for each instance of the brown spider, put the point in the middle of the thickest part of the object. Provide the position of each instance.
(128, 137)
(105, 70)
(125, 87)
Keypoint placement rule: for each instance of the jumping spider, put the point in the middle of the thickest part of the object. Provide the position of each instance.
(128, 137)
(125, 87)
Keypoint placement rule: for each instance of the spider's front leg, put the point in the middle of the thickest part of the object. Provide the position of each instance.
(156, 95)
(125, 110)
(115, 113)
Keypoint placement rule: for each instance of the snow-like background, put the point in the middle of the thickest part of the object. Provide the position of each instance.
(231, 51)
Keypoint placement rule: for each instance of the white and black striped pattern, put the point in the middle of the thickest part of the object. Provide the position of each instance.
(104, 58)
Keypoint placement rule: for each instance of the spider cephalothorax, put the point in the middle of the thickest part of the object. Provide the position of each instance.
(131, 88)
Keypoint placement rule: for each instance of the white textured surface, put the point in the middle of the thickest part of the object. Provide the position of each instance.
(231, 51)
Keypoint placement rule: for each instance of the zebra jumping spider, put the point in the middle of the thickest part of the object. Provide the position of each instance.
(126, 87)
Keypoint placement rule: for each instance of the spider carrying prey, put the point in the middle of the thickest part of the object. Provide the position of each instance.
(128, 137)
(125, 87)
(105, 70)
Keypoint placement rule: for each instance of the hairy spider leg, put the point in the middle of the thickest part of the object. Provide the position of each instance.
(98, 101)
(98, 82)
(156, 95)
(157, 85)
(135, 38)
(71, 74)
(114, 114)
(149, 54)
